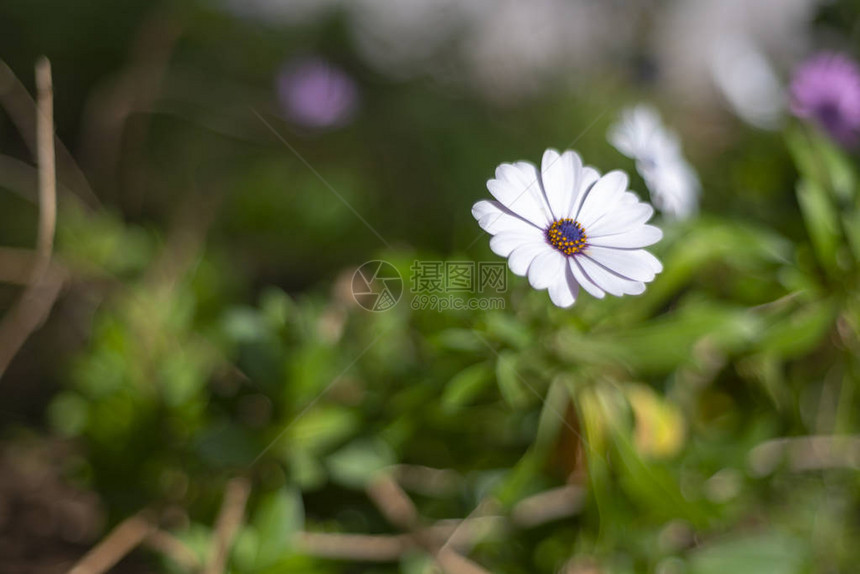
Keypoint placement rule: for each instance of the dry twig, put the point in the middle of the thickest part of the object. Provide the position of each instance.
(45, 281)
(393, 502)
(170, 546)
(447, 541)
(548, 506)
(400, 511)
(227, 525)
(122, 540)
(16, 265)
(47, 168)
(358, 547)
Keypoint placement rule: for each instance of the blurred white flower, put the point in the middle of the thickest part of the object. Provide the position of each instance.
(405, 37)
(690, 34)
(640, 135)
(567, 227)
(748, 82)
(518, 45)
(505, 49)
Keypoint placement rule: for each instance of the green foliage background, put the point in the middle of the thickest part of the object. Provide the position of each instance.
(208, 332)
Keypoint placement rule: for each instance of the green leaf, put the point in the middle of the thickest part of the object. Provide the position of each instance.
(244, 325)
(842, 177)
(465, 386)
(459, 340)
(800, 332)
(818, 159)
(359, 462)
(711, 241)
(654, 486)
(511, 383)
(851, 225)
(552, 415)
(767, 553)
(321, 428)
(520, 480)
(664, 344)
(306, 469)
(278, 517)
(508, 329)
(821, 221)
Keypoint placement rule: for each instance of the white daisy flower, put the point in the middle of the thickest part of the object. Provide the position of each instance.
(674, 185)
(567, 227)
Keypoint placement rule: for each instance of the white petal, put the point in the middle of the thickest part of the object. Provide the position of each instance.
(638, 237)
(608, 281)
(503, 243)
(655, 264)
(494, 218)
(633, 135)
(674, 187)
(587, 178)
(517, 187)
(602, 197)
(522, 256)
(623, 218)
(583, 279)
(519, 173)
(546, 268)
(628, 198)
(564, 290)
(559, 174)
(638, 264)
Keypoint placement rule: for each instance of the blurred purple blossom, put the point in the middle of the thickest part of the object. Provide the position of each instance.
(826, 90)
(316, 94)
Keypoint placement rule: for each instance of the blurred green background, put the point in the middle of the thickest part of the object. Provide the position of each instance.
(205, 344)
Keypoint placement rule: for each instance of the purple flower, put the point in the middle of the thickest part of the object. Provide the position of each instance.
(316, 94)
(826, 90)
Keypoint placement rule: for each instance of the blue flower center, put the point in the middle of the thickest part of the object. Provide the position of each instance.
(829, 114)
(567, 236)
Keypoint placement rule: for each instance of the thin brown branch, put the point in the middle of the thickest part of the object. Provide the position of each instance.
(357, 547)
(457, 539)
(44, 286)
(473, 531)
(447, 541)
(47, 168)
(461, 538)
(548, 506)
(390, 548)
(115, 546)
(173, 548)
(393, 502)
(453, 563)
(16, 265)
(227, 525)
(400, 511)
(806, 453)
(426, 480)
